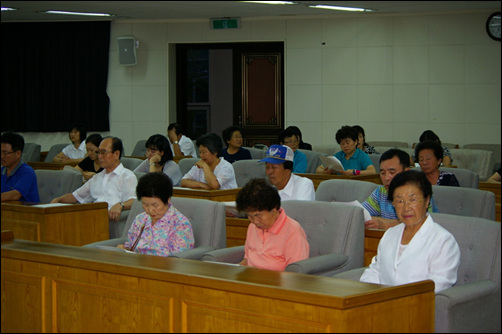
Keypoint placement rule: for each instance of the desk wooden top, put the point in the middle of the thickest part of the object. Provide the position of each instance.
(324, 291)
(48, 165)
(43, 209)
(225, 195)
(318, 178)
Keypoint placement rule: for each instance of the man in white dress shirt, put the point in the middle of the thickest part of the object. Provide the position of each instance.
(279, 170)
(115, 185)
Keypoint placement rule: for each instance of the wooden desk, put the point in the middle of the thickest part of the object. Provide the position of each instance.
(77, 224)
(318, 178)
(47, 165)
(225, 195)
(494, 188)
(237, 228)
(56, 288)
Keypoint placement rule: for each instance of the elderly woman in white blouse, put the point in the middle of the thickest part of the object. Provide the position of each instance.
(418, 248)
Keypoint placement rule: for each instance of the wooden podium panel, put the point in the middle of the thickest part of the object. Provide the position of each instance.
(77, 224)
(56, 288)
(47, 165)
(225, 195)
(318, 178)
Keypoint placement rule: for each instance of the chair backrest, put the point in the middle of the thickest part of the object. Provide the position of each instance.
(494, 148)
(246, 170)
(341, 190)
(330, 228)
(395, 144)
(256, 153)
(130, 163)
(53, 151)
(479, 161)
(140, 149)
(186, 164)
(313, 160)
(31, 152)
(479, 242)
(375, 159)
(464, 201)
(139, 174)
(466, 178)
(207, 219)
(55, 183)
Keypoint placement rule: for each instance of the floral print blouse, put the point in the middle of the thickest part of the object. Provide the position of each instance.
(170, 234)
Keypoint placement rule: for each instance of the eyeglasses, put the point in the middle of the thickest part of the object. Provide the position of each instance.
(7, 153)
(291, 142)
(103, 152)
(413, 202)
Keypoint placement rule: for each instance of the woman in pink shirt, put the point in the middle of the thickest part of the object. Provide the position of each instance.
(273, 239)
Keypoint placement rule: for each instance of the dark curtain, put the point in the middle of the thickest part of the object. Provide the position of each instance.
(54, 75)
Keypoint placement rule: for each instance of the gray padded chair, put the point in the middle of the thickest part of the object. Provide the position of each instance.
(257, 153)
(53, 151)
(313, 160)
(375, 159)
(472, 305)
(246, 170)
(495, 148)
(140, 149)
(55, 183)
(335, 233)
(31, 152)
(186, 164)
(464, 201)
(393, 144)
(341, 190)
(130, 163)
(207, 219)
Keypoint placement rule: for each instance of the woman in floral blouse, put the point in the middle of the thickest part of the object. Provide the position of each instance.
(161, 230)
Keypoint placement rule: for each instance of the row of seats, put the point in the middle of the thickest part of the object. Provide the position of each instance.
(335, 232)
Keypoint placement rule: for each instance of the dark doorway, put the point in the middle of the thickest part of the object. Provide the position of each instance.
(221, 84)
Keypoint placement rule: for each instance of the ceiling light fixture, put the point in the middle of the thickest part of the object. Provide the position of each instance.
(350, 9)
(274, 2)
(75, 13)
(4, 9)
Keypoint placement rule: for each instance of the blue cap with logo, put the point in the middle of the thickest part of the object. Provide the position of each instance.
(279, 154)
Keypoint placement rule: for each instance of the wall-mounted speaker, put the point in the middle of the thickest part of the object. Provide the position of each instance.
(127, 51)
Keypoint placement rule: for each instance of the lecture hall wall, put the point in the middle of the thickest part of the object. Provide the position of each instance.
(395, 75)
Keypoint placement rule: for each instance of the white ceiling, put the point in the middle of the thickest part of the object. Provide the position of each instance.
(171, 10)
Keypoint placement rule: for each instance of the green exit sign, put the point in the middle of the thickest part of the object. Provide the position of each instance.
(225, 23)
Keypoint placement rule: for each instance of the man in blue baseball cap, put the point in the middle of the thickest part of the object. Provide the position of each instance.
(279, 170)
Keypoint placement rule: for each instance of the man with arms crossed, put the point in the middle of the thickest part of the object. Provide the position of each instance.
(115, 185)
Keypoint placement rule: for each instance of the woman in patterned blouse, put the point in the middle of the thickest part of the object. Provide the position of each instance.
(161, 230)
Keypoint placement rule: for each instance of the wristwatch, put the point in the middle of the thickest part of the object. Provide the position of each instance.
(152, 163)
(176, 142)
(122, 204)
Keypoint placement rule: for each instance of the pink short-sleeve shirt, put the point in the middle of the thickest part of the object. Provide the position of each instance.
(274, 249)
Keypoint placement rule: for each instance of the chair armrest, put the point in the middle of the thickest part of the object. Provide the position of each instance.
(109, 242)
(194, 253)
(353, 275)
(227, 255)
(318, 264)
(467, 292)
